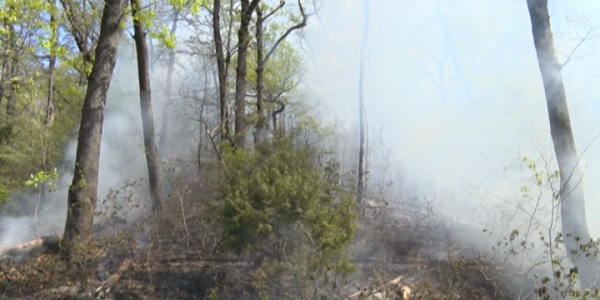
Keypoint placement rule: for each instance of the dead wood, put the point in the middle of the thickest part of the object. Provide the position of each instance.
(44, 245)
(390, 287)
(109, 284)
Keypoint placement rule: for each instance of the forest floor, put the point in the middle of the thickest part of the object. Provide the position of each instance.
(403, 258)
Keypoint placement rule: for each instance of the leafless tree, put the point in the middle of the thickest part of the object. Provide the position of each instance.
(164, 133)
(146, 105)
(575, 233)
(362, 149)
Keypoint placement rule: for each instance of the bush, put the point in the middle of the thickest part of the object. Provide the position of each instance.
(282, 203)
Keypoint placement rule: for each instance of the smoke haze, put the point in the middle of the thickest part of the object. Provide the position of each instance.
(456, 89)
(452, 87)
(123, 183)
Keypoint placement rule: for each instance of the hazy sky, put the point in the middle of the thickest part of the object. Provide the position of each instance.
(456, 87)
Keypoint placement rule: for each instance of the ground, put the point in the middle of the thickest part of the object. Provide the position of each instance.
(178, 264)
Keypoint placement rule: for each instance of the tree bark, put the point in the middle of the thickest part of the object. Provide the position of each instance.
(13, 84)
(221, 69)
(260, 68)
(277, 112)
(164, 132)
(6, 76)
(146, 106)
(50, 109)
(83, 190)
(362, 149)
(201, 135)
(11, 100)
(572, 199)
(241, 70)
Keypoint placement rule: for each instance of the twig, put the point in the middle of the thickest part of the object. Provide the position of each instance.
(577, 47)
(187, 233)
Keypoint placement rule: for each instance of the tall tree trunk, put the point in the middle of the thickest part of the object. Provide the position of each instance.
(50, 109)
(362, 149)
(241, 70)
(221, 69)
(11, 99)
(164, 132)
(4, 76)
(260, 68)
(572, 199)
(201, 134)
(83, 190)
(13, 82)
(146, 105)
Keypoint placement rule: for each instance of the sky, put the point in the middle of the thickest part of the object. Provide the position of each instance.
(455, 88)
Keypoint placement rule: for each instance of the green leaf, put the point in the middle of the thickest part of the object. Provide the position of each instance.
(165, 37)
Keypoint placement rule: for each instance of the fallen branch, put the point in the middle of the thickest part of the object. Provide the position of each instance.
(109, 284)
(392, 285)
(44, 245)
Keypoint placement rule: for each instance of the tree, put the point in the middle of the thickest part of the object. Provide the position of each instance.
(362, 148)
(241, 70)
(283, 203)
(575, 233)
(82, 17)
(18, 25)
(168, 86)
(84, 187)
(146, 105)
(222, 68)
(50, 109)
(261, 63)
(31, 39)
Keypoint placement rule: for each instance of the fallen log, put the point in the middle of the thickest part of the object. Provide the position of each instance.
(102, 292)
(44, 245)
(390, 288)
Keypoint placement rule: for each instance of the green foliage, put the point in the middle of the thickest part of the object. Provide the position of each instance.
(563, 283)
(27, 145)
(161, 32)
(6, 133)
(282, 72)
(3, 195)
(145, 17)
(164, 36)
(280, 200)
(194, 6)
(43, 177)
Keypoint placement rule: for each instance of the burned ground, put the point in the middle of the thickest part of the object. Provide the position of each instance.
(178, 261)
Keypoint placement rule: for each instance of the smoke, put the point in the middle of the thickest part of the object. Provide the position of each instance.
(123, 183)
(452, 89)
(420, 98)
(457, 93)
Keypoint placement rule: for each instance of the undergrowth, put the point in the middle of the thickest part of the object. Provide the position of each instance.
(395, 248)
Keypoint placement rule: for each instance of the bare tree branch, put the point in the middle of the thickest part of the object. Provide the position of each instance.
(281, 4)
(290, 30)
(586, 37)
